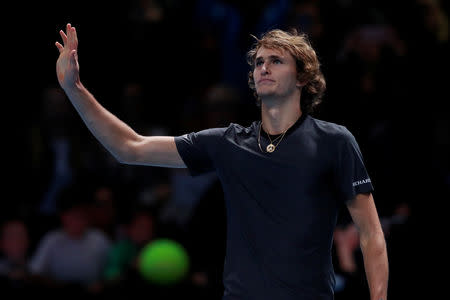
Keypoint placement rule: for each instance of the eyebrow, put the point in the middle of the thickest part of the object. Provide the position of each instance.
(259, 58)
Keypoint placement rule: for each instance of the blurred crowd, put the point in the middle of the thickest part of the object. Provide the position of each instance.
(77, 218)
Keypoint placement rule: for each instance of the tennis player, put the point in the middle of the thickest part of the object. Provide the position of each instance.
(285, 177)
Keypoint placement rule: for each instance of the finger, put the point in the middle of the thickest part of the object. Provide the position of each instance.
(69, 36)
(59, 46)
(72, 38)
(74, 32)
(68, 26)
(63, 36)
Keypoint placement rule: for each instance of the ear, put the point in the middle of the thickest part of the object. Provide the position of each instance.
(301, 80)
(300, 83)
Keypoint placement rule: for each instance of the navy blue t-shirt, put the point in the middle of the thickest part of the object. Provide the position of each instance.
(281, 207)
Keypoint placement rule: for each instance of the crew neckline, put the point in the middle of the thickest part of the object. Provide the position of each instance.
(290, 129)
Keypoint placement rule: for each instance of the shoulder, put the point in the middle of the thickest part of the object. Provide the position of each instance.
(51, 240)
(53, 236)
(235, 128)
(97, 235)
(205, 134)
(218, 132)
(214, 132)
(234, 131)
(330, 130)
(5, 266)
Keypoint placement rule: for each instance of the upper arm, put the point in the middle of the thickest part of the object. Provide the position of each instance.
(38, 262)
(160, 151)
(365, 216)
(350, 172)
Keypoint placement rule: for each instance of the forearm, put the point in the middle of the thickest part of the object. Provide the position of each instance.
(376, 265)
(113, 134)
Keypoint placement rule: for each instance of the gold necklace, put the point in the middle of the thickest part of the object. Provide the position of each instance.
(271, 147)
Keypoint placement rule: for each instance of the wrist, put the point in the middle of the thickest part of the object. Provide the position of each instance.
(74, 88)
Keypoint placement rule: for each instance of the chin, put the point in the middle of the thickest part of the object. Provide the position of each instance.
(265, 93)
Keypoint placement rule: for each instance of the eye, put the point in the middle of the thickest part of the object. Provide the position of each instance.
(259, 63)
(276, 61)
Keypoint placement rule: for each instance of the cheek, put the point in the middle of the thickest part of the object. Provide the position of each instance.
(255, 77)
(291, 79)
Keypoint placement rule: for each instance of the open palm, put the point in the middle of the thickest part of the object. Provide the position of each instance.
(67, 68)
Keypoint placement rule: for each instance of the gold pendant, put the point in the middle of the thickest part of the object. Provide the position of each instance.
(270, 148)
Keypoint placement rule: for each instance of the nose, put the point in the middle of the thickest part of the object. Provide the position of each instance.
(264, 69)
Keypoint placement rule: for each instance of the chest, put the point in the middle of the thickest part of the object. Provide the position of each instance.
(297, 162)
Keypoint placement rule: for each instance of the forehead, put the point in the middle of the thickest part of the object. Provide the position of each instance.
(264, 52)
(13, 225)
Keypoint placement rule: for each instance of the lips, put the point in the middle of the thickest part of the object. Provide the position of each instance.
(265, 80)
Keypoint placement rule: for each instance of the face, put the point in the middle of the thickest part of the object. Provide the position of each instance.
(141, 229)
(275, 73)
(103, 210)
(14, 240)
(75, 221)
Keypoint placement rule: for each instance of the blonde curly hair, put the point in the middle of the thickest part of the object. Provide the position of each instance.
(308, 65)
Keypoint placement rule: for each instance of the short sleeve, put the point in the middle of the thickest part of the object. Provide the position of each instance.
(198, 149)
(38, 264)
(351, 174)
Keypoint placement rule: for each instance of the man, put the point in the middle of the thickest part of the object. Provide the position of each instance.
(284, 177)
(71, 257)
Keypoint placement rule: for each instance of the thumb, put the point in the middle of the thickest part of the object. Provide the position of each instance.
(74, 55)
(74, 58)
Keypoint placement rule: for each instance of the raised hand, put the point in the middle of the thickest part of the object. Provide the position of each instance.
(67, 67)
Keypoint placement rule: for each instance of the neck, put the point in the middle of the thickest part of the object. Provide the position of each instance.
(278, 117)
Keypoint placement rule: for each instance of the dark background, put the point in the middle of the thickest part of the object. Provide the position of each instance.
(389, 88)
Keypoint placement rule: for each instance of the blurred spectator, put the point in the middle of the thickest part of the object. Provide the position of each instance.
(206, 232)
(371, 66)
(71, 258)
(197, 205)
(223, 21)
(400, 216)
(434, 19)
(14, 255)
(53, 143)
(350, 277)
(221, 105)
(307, 16)
(143, 11)
(103, 210)
(120, 272)
(371, 61)
(132, 106)
(407, 239)
(186, 191)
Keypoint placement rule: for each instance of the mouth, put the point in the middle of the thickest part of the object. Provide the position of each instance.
(265, 80)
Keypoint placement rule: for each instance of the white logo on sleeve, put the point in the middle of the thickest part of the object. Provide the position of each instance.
(359, 182)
